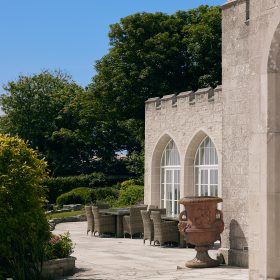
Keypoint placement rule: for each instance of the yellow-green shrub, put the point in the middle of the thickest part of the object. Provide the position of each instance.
(24, 229)
(130, 195)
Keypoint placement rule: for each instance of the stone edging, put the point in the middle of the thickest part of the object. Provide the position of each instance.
(56, 268)
(54, 222)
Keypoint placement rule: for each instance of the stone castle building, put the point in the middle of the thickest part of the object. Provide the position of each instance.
(226, 141)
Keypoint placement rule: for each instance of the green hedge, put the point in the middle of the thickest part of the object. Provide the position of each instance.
(128, 195)
(88, 195)
(76, 196)
(61, 185)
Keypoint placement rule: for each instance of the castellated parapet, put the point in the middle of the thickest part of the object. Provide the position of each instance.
(204, 95)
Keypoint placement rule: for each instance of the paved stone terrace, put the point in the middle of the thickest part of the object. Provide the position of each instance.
(128, 259)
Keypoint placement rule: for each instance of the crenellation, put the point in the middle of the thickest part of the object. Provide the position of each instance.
(168, 101)
(184, 94)
(201, 97)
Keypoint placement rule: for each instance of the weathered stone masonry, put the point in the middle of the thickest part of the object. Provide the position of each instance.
(243, 121)
(186, 118)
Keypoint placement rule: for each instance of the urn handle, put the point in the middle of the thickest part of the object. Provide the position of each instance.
(184, 224)
(219, 220)
(183, 216)
(219, 215)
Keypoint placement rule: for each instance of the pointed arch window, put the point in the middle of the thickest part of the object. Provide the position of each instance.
(170, 179)
(206, 169)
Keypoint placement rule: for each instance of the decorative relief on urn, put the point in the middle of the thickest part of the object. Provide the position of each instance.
(203, 223)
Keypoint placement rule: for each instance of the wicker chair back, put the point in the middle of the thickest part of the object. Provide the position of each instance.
(164, 231)
(90, 219)
(133, 223)
(148, 226)
(103, 223)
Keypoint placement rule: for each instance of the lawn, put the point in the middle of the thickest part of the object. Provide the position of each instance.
(65, 214)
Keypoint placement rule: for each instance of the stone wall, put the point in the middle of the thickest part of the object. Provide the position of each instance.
(235, 131)
(251, 85)
(243, 121)
(54, 269)
(186, 118)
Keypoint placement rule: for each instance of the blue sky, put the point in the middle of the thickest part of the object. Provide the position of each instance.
(66, 34)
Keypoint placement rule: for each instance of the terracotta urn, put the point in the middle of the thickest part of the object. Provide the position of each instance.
(202, 223)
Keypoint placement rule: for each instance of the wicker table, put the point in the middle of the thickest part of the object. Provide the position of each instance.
(118, 213)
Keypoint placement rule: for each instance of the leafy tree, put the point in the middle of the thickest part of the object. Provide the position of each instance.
(153, 55)
(36, 109)
(24, 230)
(157, 54)
(34, 106)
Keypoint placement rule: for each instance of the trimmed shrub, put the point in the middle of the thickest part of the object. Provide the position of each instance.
(77, 196)
(102, 194)
(61, 185)
(24, 230)
(130, 195)
(130, 182)
(88, 195)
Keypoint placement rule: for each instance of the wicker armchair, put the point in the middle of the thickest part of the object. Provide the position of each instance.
(90, 220)
(103, 223)
(148, 223)
(148, 226)
(133, 224)
(164, 231)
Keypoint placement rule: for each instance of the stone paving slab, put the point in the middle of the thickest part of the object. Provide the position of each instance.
(129, 259)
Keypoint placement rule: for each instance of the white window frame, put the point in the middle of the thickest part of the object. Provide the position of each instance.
(205, 167)
(164, 169)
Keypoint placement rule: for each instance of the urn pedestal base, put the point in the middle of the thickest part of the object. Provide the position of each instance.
(202, 259)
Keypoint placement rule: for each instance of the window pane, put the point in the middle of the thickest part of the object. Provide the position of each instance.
(176, 210)
(204, 190)
(168, 191)
(197, 158)
(196, 175)
(196, 190)
(216, 157)
(207, 156)
(169, 207)
(176, 176)
(214, 190)
(162, 191)
(162, 175)
(204, 176)
(202, 156)
(168, 177)
(212, 156)
(214, 177)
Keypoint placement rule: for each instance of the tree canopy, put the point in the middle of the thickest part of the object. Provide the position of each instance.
(80, 130)
(36, 109)
(157, 54)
